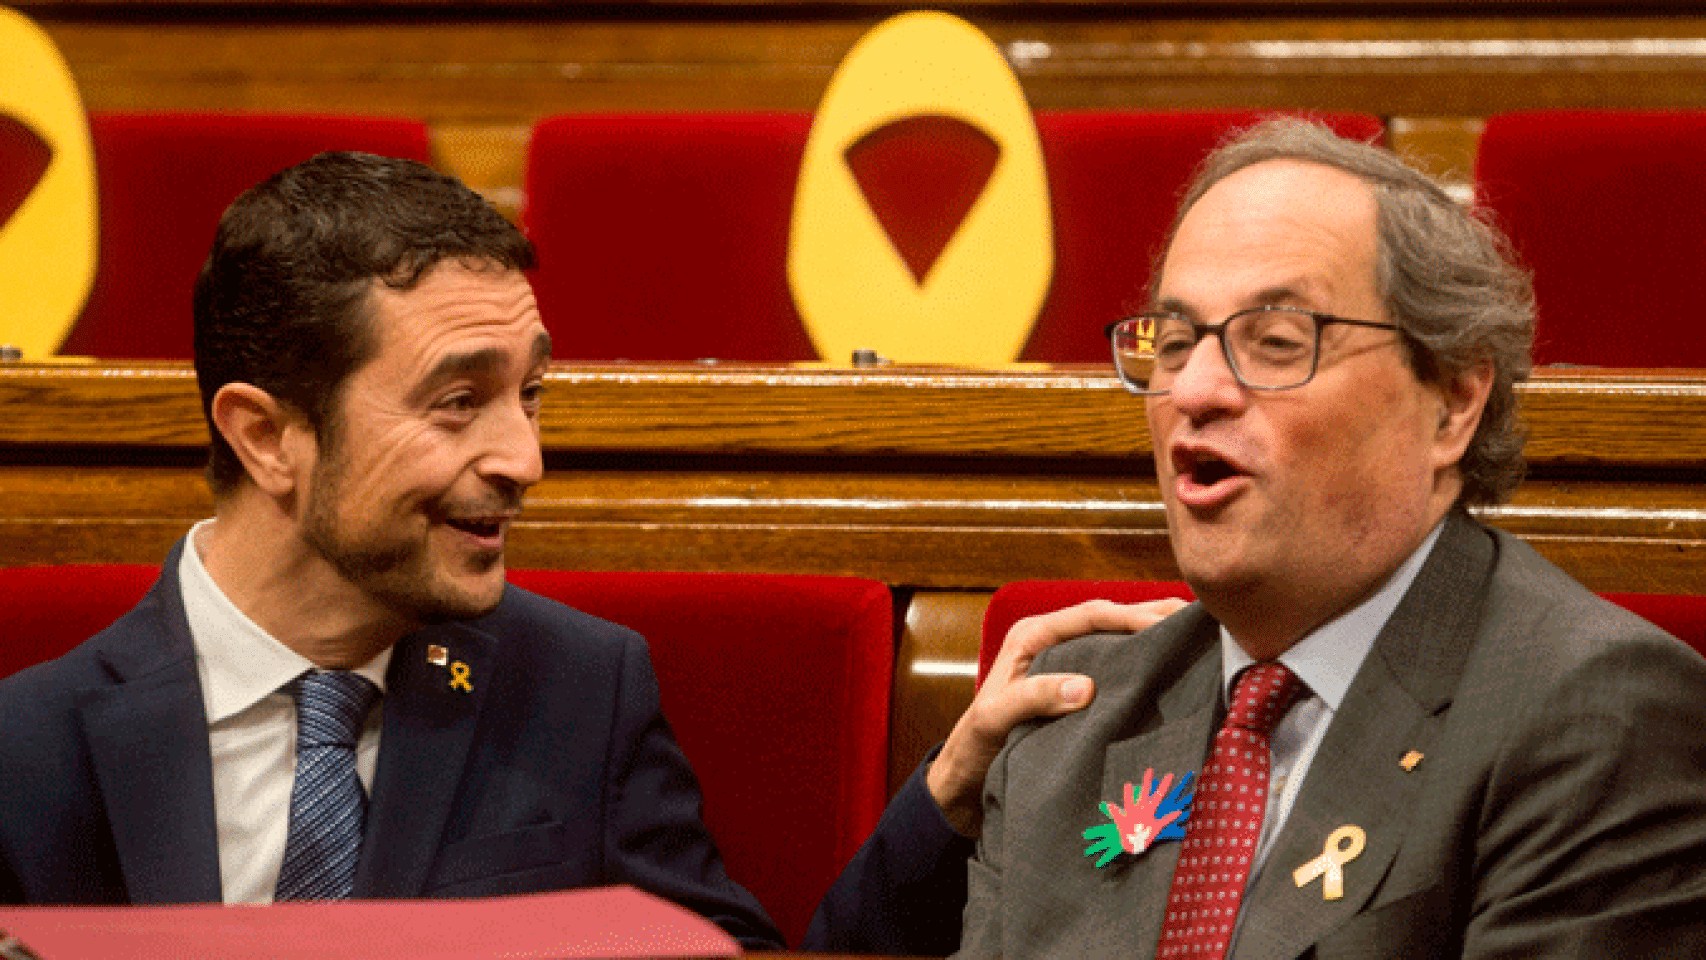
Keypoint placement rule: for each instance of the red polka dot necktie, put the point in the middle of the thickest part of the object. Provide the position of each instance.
(1226, 817)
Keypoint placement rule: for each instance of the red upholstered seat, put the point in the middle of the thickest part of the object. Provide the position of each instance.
(665, 236)
(1606, 208)
(778, 689)
(163, 181)
(1115, 178)
(49, 610)
(1681, 615)
(1026, 598)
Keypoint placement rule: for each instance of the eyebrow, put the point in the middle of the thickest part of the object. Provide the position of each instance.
(483, 361)
(541, 348)
(1284, 294)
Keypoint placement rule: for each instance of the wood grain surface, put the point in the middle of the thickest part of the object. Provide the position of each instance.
(921, 477)
(943, 483)
(481, 73)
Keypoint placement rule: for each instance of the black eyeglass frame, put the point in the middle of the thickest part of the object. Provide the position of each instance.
(1218, 330)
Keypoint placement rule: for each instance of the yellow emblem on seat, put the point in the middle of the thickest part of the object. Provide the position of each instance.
(977, 300)
(47, 247)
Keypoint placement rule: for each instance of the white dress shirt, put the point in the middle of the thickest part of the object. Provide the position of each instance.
(251, 722)
(1327, 659)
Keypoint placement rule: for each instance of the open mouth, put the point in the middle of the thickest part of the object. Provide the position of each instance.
(483, 527)
(1204, 477)
(1203, 467)
(1208, 470)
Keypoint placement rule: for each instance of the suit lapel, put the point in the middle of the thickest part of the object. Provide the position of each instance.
(147, 738)
(1188, 710)
(1355, 780)
(1397, 703)
(429, 725)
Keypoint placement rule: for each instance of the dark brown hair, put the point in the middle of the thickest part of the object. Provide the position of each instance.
(282, 302)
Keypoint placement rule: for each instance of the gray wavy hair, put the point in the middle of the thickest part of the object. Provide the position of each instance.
(1448, 277)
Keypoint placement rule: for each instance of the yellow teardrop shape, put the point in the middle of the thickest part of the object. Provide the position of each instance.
(47, 249)
(852, 288)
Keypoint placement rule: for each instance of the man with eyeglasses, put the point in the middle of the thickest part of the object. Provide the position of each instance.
(1384, 730)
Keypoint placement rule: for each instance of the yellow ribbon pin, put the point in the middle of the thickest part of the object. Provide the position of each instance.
(1332, 860)
(459, 680)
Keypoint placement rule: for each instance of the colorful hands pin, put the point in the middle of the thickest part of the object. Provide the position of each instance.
(1144, 818)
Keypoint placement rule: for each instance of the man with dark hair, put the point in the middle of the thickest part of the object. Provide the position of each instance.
(1384, 730)
(283, 302)
(371, 364)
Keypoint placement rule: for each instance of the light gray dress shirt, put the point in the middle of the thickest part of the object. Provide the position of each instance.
(1327, 659)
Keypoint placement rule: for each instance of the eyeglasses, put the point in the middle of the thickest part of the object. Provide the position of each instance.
(1267, 348)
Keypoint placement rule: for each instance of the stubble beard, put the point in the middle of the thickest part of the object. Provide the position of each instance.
(395, 570)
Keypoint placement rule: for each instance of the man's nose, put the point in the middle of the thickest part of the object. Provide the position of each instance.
(513, 453)
(1206, 385)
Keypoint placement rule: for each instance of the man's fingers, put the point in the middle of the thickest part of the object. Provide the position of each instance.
(1046, 695)
(1032, 635)
(1106, 616)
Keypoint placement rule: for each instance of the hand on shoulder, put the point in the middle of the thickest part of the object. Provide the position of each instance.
(1010, 696)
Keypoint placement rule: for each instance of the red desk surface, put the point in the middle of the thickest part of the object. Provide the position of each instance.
(612, 922)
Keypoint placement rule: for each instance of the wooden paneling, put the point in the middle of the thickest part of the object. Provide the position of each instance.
(461, 69)
(1611, 419)
(481, 73)
(923, 478)
(942, 483)
(934, 679)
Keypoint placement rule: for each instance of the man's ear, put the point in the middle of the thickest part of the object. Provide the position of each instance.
(271, 437)
(1462, 401)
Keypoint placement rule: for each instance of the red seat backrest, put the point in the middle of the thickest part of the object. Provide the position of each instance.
(52, 609)
(163, 180)
(664, 236)
(1605, 207)
(777, 688)
(1026, 598)
(1680, 615)
(1115, 180)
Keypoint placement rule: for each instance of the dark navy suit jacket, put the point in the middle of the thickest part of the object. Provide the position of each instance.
(556, 771)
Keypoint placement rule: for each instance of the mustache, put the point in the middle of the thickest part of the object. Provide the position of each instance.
(495, 505)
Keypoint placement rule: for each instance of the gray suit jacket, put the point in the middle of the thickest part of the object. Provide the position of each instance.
(1559, 809)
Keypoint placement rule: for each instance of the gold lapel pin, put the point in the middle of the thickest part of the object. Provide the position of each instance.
(439, 656)
(459, 677)
(1410, 760)
(1343, 846)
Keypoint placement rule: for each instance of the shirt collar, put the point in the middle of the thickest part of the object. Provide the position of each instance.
(1328, 657)
(239, 663)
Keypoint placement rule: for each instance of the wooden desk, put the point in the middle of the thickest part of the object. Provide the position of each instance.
(943, 483)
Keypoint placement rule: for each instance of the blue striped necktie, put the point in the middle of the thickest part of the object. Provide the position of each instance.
(328, 807)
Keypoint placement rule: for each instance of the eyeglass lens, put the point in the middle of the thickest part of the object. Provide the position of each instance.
(1270, 348)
